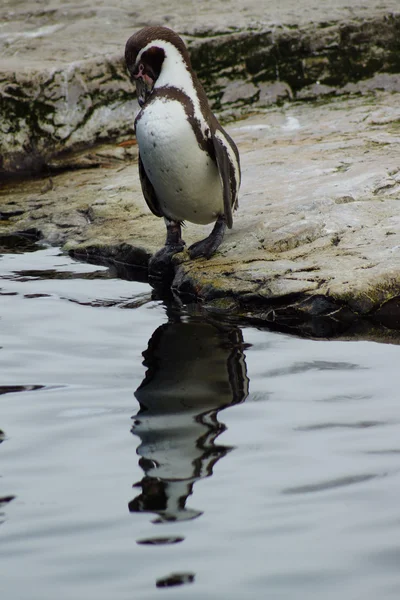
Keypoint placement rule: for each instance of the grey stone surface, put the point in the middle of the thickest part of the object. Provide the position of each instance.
(50, 33)
(318, 219)
(63, 84)
(317, 233)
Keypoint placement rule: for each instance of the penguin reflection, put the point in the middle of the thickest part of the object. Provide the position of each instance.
(194, 369)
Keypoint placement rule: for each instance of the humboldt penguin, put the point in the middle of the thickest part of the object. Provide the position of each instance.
(188, 165)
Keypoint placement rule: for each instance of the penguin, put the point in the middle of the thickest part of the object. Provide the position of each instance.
(189, 166)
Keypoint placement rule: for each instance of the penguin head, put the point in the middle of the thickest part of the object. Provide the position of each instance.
(151, 52)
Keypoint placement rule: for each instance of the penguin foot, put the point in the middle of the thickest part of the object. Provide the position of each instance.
(210, 244)
(160, 266)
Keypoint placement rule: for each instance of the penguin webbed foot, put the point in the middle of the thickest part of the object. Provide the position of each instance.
(160, 263)
(211, 243)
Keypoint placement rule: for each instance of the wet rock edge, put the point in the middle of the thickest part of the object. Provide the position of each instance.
(315, 315)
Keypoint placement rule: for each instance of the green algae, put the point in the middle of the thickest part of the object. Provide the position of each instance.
(332, 54)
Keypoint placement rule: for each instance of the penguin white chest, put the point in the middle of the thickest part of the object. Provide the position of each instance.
(185, 178)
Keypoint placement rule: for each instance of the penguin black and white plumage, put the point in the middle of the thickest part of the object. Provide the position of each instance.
(188, 165)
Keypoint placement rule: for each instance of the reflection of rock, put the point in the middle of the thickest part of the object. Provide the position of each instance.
(194, 370)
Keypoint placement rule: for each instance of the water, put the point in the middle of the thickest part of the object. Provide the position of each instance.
(234, 463)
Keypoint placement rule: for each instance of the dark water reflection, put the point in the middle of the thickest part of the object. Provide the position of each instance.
(194, 370)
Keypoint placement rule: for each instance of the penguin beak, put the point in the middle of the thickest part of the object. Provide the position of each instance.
(144, 87)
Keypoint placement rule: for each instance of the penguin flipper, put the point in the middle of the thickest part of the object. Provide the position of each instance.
(227, 158)
(148, 191)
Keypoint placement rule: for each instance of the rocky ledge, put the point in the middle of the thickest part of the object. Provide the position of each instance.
(316, 240)
(58, 96)
(312, 95)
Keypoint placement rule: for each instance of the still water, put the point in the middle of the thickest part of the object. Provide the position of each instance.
(154, 453)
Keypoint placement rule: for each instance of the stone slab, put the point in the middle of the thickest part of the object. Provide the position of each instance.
(319, 214)
(64, 86)
(317, 231)
(36, 34)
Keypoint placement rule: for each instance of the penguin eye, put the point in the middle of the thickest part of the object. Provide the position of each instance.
(138, 72)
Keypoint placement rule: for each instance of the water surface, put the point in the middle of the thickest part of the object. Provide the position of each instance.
(150, 452)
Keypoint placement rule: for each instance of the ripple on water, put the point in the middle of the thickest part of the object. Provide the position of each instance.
(330, 484)
(12, 389)
(175, 579)
(160, 541)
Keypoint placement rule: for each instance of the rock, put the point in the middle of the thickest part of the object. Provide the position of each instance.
(243, 92)
(52, 111)
(57, 96)
(316, 239)
(316, 90)
(274, 93)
